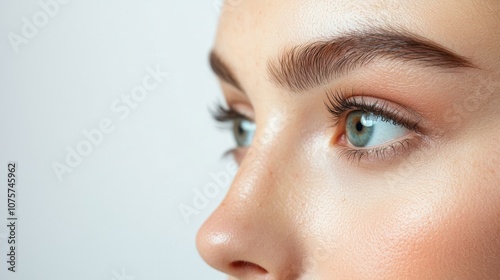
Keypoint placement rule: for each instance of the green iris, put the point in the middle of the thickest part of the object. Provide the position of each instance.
(243, 131)
(358, 131)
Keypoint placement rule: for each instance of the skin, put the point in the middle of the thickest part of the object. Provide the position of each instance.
(298, 209)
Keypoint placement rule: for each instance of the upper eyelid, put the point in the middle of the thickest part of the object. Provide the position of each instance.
(222, 114)
(339, 103)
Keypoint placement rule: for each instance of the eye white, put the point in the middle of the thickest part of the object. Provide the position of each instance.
(383, 130)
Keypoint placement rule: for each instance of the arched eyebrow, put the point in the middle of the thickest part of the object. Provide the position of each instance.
(314, 64)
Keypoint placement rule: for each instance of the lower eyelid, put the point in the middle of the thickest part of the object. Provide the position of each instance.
(387, 152)
(237, 153)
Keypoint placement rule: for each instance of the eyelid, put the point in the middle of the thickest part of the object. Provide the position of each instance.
(233, 112)
(244, 110)
(340, 103)
(223, 114)
(398, 148)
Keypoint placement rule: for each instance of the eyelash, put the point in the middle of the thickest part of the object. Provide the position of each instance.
(340, 103)
(223, 115)
(226, 116)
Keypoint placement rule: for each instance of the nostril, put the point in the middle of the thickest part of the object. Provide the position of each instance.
(248, 266)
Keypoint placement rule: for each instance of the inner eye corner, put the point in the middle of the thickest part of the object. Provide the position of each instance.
(339, 138)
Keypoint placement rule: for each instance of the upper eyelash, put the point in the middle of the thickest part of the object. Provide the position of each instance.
(338, 103)
(221, 114)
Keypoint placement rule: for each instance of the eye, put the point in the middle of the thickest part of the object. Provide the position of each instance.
(243, 131)
(372, 129)
(365, 129)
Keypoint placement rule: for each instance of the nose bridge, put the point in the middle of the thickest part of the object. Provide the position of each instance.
(254, 224)
(264, 177)
(264, 183)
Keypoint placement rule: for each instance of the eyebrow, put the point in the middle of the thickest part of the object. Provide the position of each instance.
(312, 65)
(222, 70)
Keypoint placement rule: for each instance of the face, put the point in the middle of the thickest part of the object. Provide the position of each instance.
(368, 140)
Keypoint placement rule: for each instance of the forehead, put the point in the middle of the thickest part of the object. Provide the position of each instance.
(251, 32)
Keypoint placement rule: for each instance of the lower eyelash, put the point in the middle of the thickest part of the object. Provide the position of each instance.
(398, 148)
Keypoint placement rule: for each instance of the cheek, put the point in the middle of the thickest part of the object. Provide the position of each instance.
(436, 232)
(420, 228)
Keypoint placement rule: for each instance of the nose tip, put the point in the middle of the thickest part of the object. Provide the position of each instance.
(219, 250)
(246, 250)
(213, 247)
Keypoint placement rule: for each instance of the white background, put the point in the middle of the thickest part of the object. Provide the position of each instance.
(116, 215)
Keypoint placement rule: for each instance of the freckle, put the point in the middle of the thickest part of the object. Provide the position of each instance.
(271, 174)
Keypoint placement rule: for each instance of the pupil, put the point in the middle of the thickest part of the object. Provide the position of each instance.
(359, 127)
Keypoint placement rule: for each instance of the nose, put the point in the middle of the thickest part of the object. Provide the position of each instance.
(250, 235)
